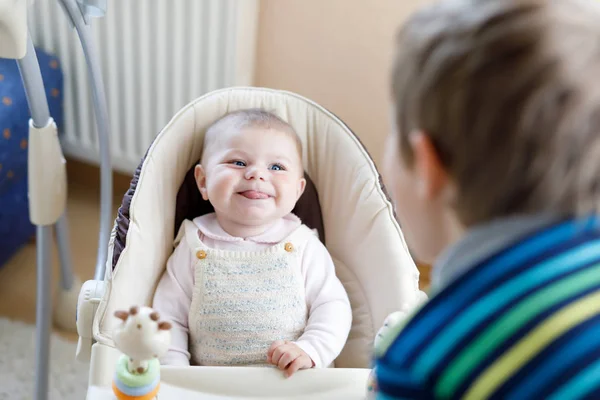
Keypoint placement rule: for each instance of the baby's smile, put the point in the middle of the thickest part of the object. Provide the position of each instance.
(254, 195)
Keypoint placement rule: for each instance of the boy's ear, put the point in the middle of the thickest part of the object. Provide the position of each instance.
(200, 177)
(433, 179)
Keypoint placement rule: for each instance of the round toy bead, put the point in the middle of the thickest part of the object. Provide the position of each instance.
(123, 396)
(135, 380)
(135, 390)
(130, 386)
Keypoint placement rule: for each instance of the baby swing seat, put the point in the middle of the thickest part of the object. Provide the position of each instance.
(345, 202)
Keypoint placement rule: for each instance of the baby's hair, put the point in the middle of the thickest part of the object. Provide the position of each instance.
(507, 92)
(252, 118)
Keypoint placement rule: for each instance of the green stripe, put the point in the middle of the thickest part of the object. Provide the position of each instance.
(530, 307)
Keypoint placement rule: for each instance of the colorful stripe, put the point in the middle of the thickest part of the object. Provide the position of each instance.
(500, 297)
(533, 343)
(584, 384)
(441, 308)
(524, 323)
(584, 343)
(505, 327)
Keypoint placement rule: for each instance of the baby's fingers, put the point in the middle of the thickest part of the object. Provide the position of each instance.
(273, 347)
(301, 362)
(286, 359)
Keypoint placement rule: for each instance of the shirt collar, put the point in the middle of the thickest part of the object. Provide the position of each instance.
(481, 242)
(210, 227)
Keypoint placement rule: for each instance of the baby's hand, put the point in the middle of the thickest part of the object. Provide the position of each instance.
(288, 357)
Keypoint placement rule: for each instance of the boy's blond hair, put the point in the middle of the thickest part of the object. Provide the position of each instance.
(509, 94)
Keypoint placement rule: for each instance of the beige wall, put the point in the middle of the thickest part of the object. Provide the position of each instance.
(337, 53)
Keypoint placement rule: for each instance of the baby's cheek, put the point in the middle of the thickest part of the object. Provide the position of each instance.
(221, 187)
(279, 182)
(226, 178)
(289, 185)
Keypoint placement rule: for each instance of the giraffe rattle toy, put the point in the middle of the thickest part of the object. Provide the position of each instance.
(142, 339)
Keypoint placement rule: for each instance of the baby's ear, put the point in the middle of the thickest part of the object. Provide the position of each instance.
(200, 176)
(301, 187)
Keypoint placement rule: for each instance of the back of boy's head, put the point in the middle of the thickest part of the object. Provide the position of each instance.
(509, 94)
(251, 118)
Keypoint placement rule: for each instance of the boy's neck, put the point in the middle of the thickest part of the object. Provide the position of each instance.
(482, 241)
(241, 230)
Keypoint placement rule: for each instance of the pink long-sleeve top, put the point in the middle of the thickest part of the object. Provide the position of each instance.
(330, 314)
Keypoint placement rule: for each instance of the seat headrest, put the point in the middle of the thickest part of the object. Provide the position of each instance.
(344, 200)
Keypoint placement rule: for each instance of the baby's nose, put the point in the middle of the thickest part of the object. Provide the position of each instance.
(255, 173)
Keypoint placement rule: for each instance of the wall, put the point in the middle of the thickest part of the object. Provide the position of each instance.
(336, 52)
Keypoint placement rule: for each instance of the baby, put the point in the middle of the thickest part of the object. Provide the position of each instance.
(249, 284)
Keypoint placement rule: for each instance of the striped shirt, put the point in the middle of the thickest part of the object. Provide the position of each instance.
(522, 324)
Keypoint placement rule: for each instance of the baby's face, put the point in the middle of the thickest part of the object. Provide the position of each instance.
(253, 176)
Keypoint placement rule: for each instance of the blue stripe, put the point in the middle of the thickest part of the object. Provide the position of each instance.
(562, 359)
(581, 385)
(503, 295)
(533, 364)
(387, 375)
(512, 339)
(399, 383)
(383, 396)
(454, 298)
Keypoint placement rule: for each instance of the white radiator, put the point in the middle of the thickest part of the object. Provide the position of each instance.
(156, 55)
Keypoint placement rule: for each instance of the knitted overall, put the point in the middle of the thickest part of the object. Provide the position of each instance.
(245, 300)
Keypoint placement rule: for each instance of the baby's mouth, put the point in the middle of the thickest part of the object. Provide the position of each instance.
(254, 195)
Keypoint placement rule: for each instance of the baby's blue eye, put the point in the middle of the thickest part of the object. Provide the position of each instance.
(277, 167)
(239, 163)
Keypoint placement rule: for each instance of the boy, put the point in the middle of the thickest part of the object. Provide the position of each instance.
(495, 167)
